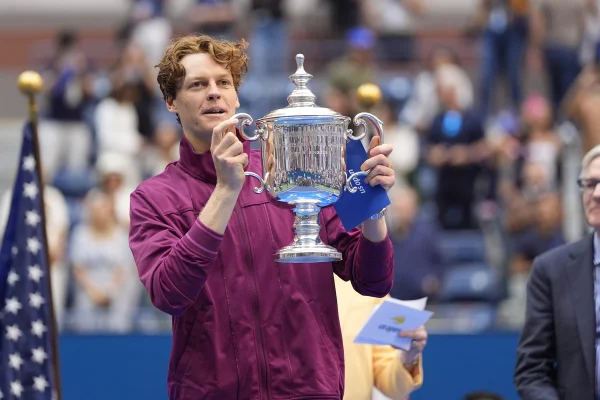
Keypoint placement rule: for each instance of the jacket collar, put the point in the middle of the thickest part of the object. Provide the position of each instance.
(201, 165)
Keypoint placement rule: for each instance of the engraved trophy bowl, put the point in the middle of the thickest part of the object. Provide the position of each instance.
(303, 150)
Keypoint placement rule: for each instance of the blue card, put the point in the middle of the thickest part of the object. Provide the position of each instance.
(355, 208)
(390, 318)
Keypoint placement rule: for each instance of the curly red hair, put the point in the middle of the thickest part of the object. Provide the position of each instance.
(232, 55)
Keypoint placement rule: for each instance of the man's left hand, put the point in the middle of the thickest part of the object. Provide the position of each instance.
(382, 172)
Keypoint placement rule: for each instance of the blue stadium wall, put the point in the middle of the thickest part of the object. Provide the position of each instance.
(135, 367)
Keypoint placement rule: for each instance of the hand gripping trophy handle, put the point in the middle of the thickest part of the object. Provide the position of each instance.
(247, 120)
(360, 119)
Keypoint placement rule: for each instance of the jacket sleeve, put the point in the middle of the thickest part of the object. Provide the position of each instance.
(536, 353)
(369, 266)
(172, 266)
(391, 378)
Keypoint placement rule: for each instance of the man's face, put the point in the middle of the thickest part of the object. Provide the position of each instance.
(591, 194)
(206, 96)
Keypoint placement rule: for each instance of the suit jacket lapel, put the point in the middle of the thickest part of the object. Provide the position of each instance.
(581, 279)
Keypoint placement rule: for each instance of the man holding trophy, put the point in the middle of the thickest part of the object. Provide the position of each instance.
(247, 273)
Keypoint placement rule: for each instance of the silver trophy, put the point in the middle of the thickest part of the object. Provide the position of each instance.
(303, 150)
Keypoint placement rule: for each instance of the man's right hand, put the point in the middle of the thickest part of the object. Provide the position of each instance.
(228, 156)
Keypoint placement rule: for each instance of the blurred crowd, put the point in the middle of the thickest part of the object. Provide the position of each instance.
(480, 171)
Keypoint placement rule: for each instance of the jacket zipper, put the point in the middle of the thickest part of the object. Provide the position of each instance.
(263, 370)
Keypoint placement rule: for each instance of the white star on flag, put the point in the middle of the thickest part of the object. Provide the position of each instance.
(39, 355)
(38, 328)
(12, 279)
(15, 250)
(32, 218)
(13, 305)
(30, 190)
(35, 300)
(33, 245)
(16, 388)
(15, 361)
(35, 273)
(29, 163)
(13, 332)
(40, 383)
(1, 395)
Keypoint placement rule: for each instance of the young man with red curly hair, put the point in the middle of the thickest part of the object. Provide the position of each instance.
(244, 326)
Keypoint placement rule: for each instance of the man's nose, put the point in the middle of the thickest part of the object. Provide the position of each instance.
(214, 93)
(596, 192)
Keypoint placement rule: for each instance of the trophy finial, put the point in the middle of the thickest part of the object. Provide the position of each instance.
(301, 96)
(300, 61)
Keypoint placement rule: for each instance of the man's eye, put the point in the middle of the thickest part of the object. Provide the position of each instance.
(225, 82)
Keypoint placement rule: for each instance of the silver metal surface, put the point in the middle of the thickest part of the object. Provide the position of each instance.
(303, 150)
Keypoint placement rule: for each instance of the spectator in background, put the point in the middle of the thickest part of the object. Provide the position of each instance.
(395, 373)
(423, 104)
(105, 295)
(504, 27)
(394, 22)
(456, 148)
(165, 149)
(150, 28)
(116, 123)
(112, 169)
(544, 234)
(403, 138)
(350, 71)
(213, 17)
(582, 103)
(415, 240)
(132, 68)
(557, 33)
(541, 143)
(57, 230)
(69, 92)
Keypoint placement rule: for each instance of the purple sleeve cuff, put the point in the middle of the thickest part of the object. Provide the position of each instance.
(375, 259)
(203, 240)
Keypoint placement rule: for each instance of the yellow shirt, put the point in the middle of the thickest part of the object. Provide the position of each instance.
(369, 366)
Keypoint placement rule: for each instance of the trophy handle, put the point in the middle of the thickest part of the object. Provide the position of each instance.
(247, 120)
(360, 120)
(263, 184)
(350, 187)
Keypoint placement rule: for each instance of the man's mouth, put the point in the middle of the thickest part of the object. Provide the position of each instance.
(214, 111)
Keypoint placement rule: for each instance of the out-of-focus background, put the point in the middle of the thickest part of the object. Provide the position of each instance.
(490, 105)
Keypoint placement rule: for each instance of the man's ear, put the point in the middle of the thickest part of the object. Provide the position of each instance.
(171, 105)
(237, 101)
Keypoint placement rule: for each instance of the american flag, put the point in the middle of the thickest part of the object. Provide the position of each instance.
(25, 314)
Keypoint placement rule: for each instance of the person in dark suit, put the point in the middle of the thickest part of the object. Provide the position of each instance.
(558, 354)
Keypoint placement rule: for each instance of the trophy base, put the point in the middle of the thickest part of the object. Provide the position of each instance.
(316, 253)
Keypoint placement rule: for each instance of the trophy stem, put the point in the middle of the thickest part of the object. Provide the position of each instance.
(307, 246)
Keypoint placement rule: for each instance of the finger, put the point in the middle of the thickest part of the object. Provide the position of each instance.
(235, 149)
(375, 141)
(372, 162)
(385, 149)
(220, 130)
(416, 334)
(384, 181)
(379, 170)
(226, 142)
(241, 159)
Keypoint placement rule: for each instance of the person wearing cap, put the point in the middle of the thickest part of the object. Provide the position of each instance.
(353, 69)
(244, 326)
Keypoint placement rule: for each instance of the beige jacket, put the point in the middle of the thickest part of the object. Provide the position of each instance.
(369, 366)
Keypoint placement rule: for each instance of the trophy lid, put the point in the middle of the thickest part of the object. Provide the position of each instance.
(301, 102)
